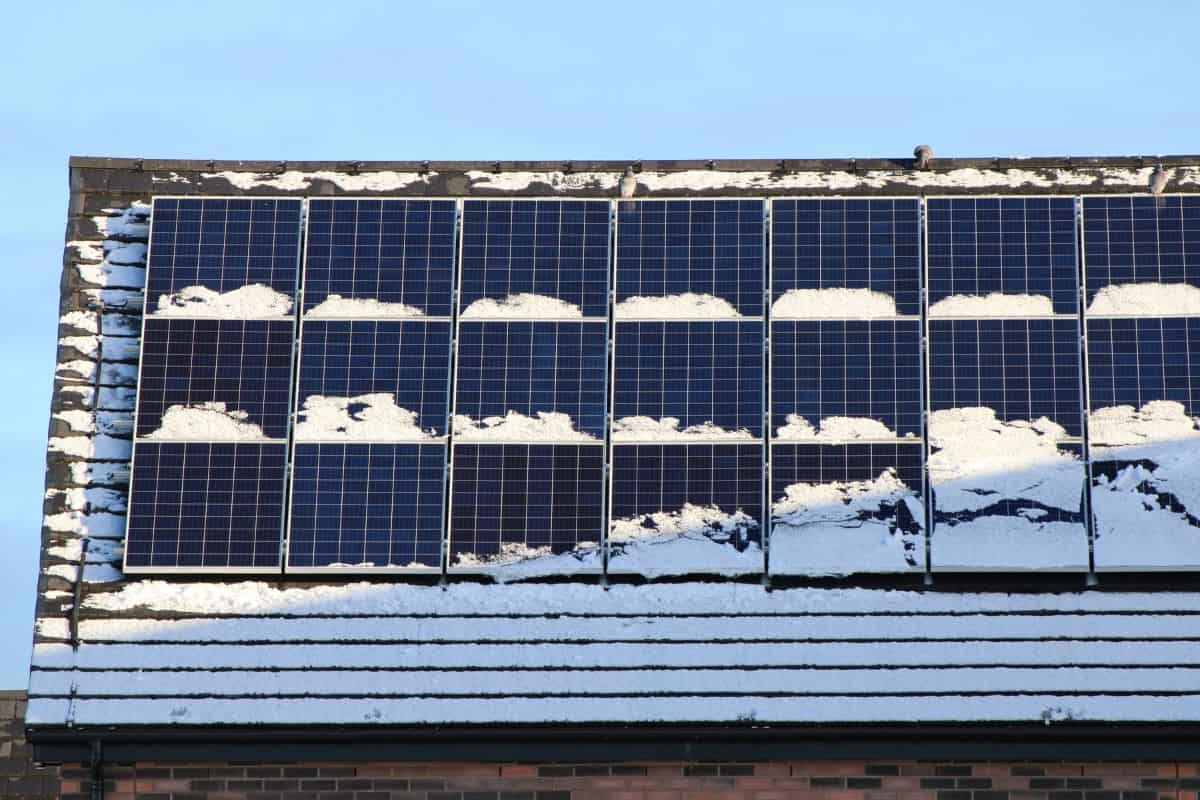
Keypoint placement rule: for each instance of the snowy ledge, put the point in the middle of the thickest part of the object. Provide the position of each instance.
(686, 306)
(337, 307)
(838, 429)
(253, 301)
(1146, 300)
(833, 303)
(995, 304)
(525, 306)
(365, 418)
(666, 429)
(544, 427)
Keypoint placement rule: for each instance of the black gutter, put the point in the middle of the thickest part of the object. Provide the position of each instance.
(1055, 741)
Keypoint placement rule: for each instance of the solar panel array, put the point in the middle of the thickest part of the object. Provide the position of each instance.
(573, 386)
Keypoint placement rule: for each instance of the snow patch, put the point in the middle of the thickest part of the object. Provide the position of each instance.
(522, 306)
(549, 426)
(254, 301)
(688, 305)
(294, 180)
(367, 417)
(518, 561)
(335, 306)
(96, 524)
(1146, 299)
(667, 429)
(99, 448)
(995, 304)
(835, 429)
(833, 303)
(206, 422)
(695, 538)
(843, 527)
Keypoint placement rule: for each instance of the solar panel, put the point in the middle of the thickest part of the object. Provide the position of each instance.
(705, 247)
(245, 365)
(514, 503)
(834, 243)
(206, 505)
(861, 370)
(686, 508)
(555, 249)
(846, 508)
(398, 252)
(1137, 361)
(695, 372)
(367, 505)
(1007, 245)
(210, 452)
(1141, 239)
(222, 244)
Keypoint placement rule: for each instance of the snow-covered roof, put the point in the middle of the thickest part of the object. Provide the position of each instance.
(121, 651)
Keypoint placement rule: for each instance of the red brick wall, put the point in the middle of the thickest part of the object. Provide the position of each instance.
(802, 780)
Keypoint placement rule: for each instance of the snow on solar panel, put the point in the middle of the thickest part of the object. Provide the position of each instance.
(689, 259)
(836, 253)
(1142, 255)
(210, 454)
(535, 258)
(526, 509)
(1002, 256)
(688, 380)
(367, 505)
(379, 258)
(846, 508)
(841, 380)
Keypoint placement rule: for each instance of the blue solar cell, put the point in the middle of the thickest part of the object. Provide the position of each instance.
(854, 244)
(533, 366)
(1011, 245)
(245, 364)
(222, 244)
(697, 372)
(1134, 361)
(407, 359)
(530, 496)
(833, 368)
(1021, 369)
(652, 478)
(368, 505)
(206, 505)
(555, 248)
(714, 247)
(393, 251)
(1141, 239)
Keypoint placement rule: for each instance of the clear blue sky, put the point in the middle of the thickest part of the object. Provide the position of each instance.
(390, 80)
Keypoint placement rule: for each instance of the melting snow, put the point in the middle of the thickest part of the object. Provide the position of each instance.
(522, 306)
(254, 301)
(677, 306)
(843, 527)
(836, 429)
(517, 561)
(992, 305)
(980, 467)
(693, 539)
(1146, 299)
(210, 421)
(367, 417)
(834, 303)
(366, 308)
(667, 429)
(1146, 492)
(294, 180)
(548, 426)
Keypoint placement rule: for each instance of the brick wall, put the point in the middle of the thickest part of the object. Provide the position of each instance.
(19, 780)
(840, 780)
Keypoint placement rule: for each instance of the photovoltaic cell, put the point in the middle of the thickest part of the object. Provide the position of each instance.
(1135, 361)
(206, 505)
(829, 463)
(532, 367)
(245, 364)
(1020, 368)
(511, 499)
(713, 247)
(1141, 239)
(407, 359)
(554, 248)
(697, 372)
(367, 505)
(854, 244)
(393, 251)
(830, 368)
(1009, 245)
(222, 244)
